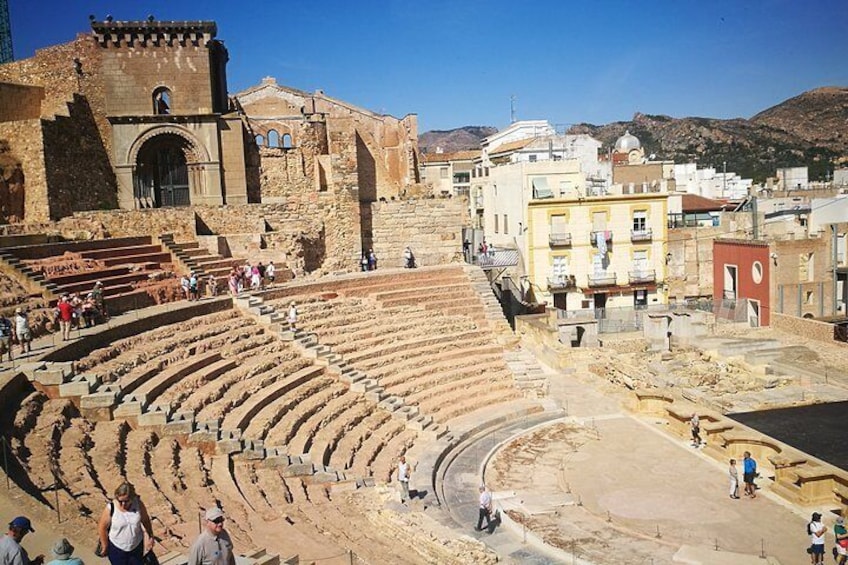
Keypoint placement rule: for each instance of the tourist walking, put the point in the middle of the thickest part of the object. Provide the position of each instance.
(749, 473)
(66, 316)
(695, 427)
(63, 552)
(466, 250)
(213, 546)
(293, 317)
(270, 272)
(840, 552)
(734, 480)
(11, 552)
(372, 260)
(817, 532)
(363, 263)
(485, 508)
(5, 336)
(126, 533)
(403, 473)
(22, 331)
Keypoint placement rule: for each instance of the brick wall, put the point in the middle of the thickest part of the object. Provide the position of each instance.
(431, 227)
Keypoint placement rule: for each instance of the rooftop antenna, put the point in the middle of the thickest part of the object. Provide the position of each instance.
(512, 100)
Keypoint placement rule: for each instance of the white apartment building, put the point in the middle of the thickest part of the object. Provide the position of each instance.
(710, 183)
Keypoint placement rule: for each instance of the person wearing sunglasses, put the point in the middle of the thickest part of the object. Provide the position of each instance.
(126, 533)
(213, 546)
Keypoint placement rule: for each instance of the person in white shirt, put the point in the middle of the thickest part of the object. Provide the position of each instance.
(734, 480)
(816, 530)
(403, 472)
(292, 317)
(485, 509)
(270, 272)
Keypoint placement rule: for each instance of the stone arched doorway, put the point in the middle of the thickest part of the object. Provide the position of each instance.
(161, 177)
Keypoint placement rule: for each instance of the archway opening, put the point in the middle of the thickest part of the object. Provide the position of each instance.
(161, 177)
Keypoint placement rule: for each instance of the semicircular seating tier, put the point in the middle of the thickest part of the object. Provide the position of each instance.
(212, 410)
(423, 335)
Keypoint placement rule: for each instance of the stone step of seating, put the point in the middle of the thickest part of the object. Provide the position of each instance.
(120, 281)
(132, 300)
(92, 276)
(241, 416)
(55, 249)
(156, 257)
(139, 390)
(114, 252)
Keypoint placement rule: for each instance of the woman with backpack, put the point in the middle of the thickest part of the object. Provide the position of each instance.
(126, 533)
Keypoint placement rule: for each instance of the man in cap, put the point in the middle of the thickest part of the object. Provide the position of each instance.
(63, 550)
(213, 546)
(11, 552)
(816, 530)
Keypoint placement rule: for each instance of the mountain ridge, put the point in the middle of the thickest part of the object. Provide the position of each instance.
(809, 129)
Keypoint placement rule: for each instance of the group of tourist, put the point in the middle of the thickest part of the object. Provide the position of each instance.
(818, 532)
(71, 312)
(749, 476)
(251, 277)
(368, 261)
(16, 329)
(125, 537)
(74, 312)
(12, 553)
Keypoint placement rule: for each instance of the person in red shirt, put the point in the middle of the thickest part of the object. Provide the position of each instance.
(66, 316)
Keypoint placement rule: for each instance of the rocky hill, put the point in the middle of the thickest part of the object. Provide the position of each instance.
(810, 129)
(459, 139)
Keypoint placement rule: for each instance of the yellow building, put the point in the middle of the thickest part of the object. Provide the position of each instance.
(605, 251)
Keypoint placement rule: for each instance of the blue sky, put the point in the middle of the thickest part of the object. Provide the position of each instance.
(457, 62)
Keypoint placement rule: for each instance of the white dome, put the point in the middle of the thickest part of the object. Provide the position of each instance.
(627, 143)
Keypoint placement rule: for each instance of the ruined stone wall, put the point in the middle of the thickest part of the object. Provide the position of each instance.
(812, 329)
(76, 135)
(689, 273)
(431, 227)
(79, 173)
(294, 172)
(340, 203)
(23, 182)
(124, 223)
(53, 69)
(390, 143)
(20, 102)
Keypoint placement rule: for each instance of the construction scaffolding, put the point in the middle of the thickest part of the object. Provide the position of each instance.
(6, 53)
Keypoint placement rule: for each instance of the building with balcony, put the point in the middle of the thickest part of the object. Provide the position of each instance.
(597, 252)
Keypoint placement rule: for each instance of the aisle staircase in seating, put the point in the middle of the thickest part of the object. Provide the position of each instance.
(196, 259)
(358, 381)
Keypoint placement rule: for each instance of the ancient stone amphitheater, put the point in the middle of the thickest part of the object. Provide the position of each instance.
(293, 434)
